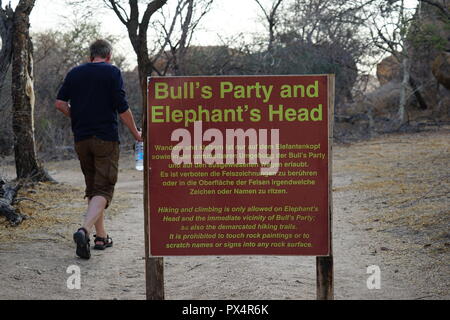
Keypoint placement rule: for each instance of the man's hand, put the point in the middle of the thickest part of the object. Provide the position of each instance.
(138, 136)
(63, 106)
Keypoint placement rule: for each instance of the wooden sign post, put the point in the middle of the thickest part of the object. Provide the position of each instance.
(239, 166)
(325, 265)
(154, 267)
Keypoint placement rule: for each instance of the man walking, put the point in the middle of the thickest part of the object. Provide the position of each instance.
(93, 96)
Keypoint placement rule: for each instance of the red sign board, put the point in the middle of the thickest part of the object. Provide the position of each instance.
(239, 165)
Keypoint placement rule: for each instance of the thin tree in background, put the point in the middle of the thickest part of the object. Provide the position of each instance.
(390, 28)
(272, 20)
(394, 42)
(176, 34)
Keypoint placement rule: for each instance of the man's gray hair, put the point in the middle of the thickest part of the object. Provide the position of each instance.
(100, 48)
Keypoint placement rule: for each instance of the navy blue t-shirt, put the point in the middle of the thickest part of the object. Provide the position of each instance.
(96, 95)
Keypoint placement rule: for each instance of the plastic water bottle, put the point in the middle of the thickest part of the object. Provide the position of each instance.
(139, 155)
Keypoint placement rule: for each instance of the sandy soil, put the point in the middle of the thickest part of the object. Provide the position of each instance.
(391, 209)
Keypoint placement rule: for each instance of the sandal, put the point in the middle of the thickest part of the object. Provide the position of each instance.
(81, 238)
(104, 243)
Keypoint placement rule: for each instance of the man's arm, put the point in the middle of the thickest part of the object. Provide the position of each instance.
(128, 120)
(63, 106)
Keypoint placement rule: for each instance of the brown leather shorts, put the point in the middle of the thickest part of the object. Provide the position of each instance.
(99, 162)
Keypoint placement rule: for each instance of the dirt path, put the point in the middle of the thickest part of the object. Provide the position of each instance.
(391, 209)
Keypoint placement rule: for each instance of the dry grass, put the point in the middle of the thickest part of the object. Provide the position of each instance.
(47, 205)
(406, 179)
(52, 209)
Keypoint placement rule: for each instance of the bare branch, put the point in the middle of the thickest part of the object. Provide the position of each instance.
(271, 18)
(133, 22)
(263, 9)
(152, 7)
(119, 11)
(186, 24)
(274, 9)
(168, 33)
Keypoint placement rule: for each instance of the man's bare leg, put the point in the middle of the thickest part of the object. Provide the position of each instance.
(94, 216)
(100, 226)
(94, 213)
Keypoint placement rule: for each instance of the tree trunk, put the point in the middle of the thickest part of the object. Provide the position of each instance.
(404, 91)
(27, 165)
(180, 54)
(145, 68)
